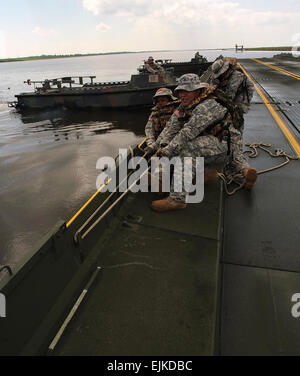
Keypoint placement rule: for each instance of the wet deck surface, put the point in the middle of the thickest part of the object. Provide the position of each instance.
(158, 293)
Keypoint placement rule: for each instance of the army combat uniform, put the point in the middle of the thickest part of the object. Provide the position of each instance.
(160, 115)
(151, 66)
(239, 89)
(189, 133)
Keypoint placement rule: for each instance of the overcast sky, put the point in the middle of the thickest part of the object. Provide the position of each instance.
(35, 27)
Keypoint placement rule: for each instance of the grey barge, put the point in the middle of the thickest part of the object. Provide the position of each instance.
(219, 278)
(196, 65)
(136, 93)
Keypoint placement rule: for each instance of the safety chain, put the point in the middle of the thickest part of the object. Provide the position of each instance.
(253, 153)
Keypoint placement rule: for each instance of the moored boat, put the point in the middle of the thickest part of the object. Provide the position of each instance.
(137, 92)
(197, 65)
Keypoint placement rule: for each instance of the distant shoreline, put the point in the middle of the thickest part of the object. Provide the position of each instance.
(270, 49)
(46, 57)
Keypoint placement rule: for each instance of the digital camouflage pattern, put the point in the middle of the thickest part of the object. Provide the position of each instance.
(209, 147)
(158, 118)
(240, 89)
(187, 139)
(237, 158)
(152, 67)
(233, 82)
(190, 82)
(219, 67)
(164, 92)
(176, 135)
(237, 86)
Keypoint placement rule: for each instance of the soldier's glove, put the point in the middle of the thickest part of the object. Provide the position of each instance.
(162, 152)
(150, 149)
(162, 145)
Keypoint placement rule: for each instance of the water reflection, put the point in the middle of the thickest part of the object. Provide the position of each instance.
(62, 122)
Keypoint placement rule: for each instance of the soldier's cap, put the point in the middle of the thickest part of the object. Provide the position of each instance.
(190, 82)
(150, 58)
(164, 92)
(219, 67)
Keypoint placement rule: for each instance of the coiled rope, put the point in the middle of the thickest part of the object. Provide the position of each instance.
(253, 153)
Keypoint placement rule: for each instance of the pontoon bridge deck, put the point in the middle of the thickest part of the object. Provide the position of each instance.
(216, 278)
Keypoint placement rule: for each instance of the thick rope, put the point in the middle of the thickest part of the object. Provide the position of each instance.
(253, 153)
(278, 153)
(227, 181)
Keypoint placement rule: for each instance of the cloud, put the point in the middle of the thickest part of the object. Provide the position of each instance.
(102, 27)
(191, 23)
(91, 5)
(186, 12)
(119, 8)
(44, 32)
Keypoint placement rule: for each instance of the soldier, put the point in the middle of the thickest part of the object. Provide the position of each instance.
(165, 105)
(239, 89)
(151, 66)
(190, 133)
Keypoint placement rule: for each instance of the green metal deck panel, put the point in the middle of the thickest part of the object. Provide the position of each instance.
(198, 219)
(257, 318)
(157, 294)
(283, 90)
(262, 226)
(261, 262)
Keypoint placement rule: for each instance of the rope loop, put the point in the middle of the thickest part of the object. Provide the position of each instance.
(253, 153)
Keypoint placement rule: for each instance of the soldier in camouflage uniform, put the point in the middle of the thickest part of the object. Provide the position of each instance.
(151, 66)
(189, 133)
(238, 88)
(165, 105)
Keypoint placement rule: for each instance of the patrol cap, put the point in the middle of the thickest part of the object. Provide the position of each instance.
(219, 67)
(190, 82)
(164, 92)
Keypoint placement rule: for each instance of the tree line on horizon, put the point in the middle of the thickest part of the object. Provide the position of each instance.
(56, 56)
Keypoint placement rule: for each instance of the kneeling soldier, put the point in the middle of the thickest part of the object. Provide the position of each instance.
(239, 89)
(191, 132)
(165, 105)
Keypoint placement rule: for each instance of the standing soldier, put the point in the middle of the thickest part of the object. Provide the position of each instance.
(151, 66)
(239, 89)
(191, 132)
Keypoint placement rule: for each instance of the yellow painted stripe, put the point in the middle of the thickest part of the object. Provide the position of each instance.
(86, 204)
(144, 140)
(94, 195)
(277, 118)
(294, 75)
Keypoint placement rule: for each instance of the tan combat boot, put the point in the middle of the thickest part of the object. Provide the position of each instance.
(210, 175)
(167, 204)
(250, 177)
